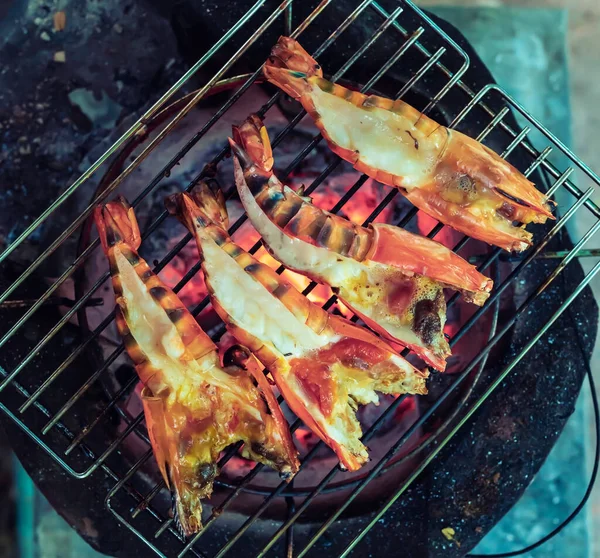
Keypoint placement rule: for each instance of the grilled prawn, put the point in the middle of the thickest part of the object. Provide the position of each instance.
(323, 365)
(450, 176)
(391, 278)
(194, 406)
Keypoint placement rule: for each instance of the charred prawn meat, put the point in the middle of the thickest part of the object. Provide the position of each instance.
(448, 175)
(194, 405)
(323, 365)
(391, 278)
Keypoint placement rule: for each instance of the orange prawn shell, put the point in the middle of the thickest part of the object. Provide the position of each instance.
(280, 368)
(427, 257)
(400, 376)
(405, 254)
(347, 458)
(507, 195)
(154, 411)
(180, 443)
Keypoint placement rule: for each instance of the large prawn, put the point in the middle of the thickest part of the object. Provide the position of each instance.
(194, 406)
(391, 278)
(449, 175)
(323, 365)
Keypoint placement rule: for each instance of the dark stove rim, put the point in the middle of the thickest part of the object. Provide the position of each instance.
(79, 278)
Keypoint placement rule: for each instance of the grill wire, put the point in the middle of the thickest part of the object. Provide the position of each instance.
(410, 26)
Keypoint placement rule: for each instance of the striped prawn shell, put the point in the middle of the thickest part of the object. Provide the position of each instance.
(196, 342)
(290, 212)
(470, 187)
(112, 220)
(303, 310)
(310, 223)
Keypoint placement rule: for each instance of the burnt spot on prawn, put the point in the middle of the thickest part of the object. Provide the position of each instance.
(113, 236)
(130, 255)
(117, 285)
(252, 268)
(146, 275)
(176, 314)
(158, 293)
(202, 221)
(261, 449)
(281, 290)
(272, 200)
(114, 268)
(415, 140)
(205, 474)
(236, 356)
(427, 323)
(324, 85)
(133, 348)
(234, 250)
(220, 237)
(255, 180)
(299, 226)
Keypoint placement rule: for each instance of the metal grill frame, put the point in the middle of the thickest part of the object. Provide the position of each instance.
(283, 14)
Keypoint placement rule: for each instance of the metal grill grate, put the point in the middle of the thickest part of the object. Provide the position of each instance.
(61, 432)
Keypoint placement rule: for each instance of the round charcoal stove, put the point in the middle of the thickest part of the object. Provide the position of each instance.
(92, 401)
(366, 204)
